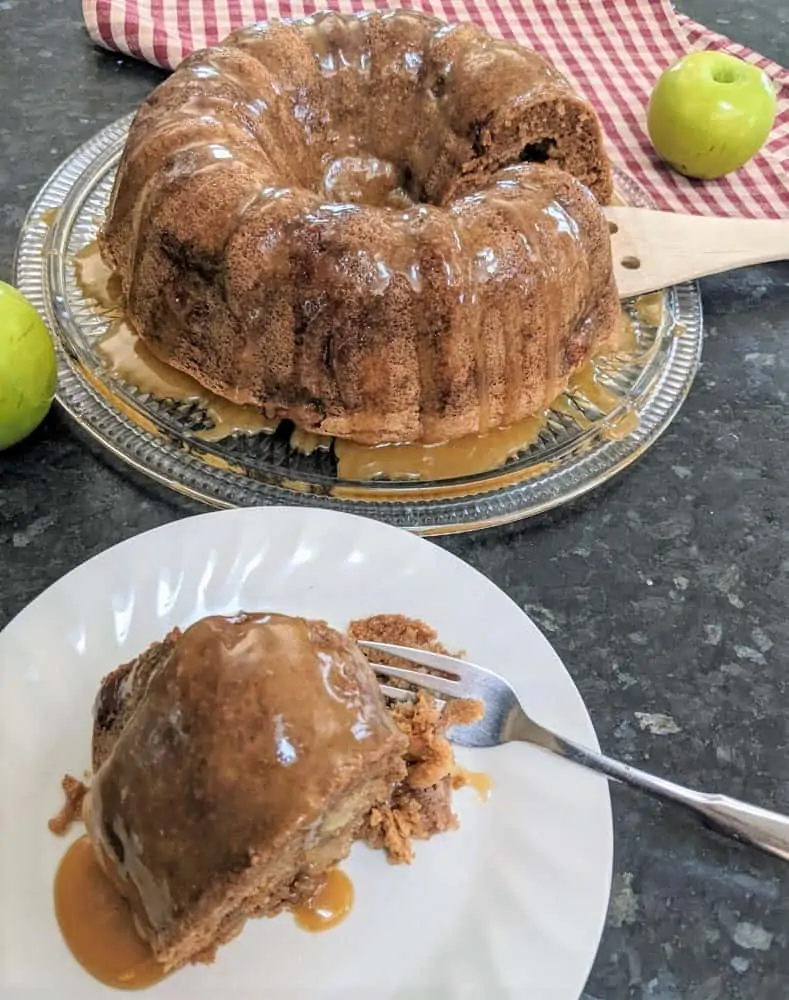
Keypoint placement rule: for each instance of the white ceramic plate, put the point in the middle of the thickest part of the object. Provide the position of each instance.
(510, 906)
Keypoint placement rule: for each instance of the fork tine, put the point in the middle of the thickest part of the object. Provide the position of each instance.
(425, 658)
(439, 685)
(472, 680)
(397, 694)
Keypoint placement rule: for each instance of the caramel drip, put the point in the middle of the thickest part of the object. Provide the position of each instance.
(481, 782)
(96, 280)
(364, 180)
(479, 453)
(127, 357)
(628, 423)
(97, 924)
(137, 213)
(586, 384)
(624, 340)
(474, 323)
(306, 442)
(330, 905)
(548, 260)
(649, 308)
(426, 322)
(49, 215)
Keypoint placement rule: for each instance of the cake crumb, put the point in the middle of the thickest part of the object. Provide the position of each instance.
(71, 811)
(398, 630)
(421, 805)
(430, 757)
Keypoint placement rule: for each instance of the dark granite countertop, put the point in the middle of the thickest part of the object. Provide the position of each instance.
(665, 592)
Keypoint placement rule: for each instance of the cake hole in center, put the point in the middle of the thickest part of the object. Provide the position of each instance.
(613, 228)
(631, 263)
(366, 180)
(537, 152)
(412, 186)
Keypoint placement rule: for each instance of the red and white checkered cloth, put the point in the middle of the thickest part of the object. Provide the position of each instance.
(612, 50)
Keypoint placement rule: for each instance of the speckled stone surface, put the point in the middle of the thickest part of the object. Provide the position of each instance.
(666, 592)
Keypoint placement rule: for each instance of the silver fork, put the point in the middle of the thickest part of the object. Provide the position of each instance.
(506, 721)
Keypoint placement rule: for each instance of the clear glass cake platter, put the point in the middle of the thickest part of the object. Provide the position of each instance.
(578, 444)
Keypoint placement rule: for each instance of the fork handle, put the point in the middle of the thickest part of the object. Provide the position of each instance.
(741, 821)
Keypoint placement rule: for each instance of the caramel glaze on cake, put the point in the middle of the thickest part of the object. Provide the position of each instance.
(356, 222)
(234, 764)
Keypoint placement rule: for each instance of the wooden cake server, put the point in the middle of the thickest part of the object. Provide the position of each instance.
(655, 249)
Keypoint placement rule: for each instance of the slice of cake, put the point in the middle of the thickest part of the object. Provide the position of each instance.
(235, 762)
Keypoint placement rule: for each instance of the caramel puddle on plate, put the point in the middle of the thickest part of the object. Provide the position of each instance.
(330, 905)
(454, 459)
(127, 357)
(95, 280)
(481, 782)
(49, 215)
(96, 923)
(306, 442)
(649, 308)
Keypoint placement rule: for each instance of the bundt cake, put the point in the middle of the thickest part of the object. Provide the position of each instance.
(234, 764)
(378, 226)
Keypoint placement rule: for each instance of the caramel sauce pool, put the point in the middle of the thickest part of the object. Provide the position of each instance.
(481, 783)
(97, 926)
(96, 923)
(329, 906)
(463, 457)
(128, 358)
(96, 280)
(49, 215)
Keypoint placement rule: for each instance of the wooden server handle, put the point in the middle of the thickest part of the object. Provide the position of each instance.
(655, 249)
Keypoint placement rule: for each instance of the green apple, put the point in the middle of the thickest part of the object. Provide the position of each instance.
(28, 371)
(709, 113)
